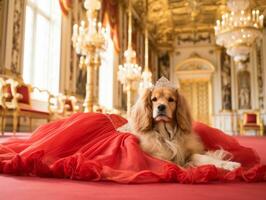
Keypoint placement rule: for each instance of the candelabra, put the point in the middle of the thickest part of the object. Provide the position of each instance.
(146, 76)
(89, 39)
(129, 73)
(238, 29)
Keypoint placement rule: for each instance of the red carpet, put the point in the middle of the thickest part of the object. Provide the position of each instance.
(25, 188)
(29, 188)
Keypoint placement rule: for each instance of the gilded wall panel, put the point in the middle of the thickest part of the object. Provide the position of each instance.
(17, 36)
(226, 81)
(164, 65)
(78, 14)
(260, 73)
(244, 89)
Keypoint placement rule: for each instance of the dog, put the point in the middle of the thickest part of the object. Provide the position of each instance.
(162, 121)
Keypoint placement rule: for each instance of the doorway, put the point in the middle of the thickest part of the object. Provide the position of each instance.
(194, 77)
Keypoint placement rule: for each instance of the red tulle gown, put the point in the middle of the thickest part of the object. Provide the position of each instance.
(87, 146)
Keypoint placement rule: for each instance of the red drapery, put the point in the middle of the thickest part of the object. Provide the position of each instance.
(87, 146)
(110, 15)
(65, 6)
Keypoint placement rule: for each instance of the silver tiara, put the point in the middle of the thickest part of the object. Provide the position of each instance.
(164, 82)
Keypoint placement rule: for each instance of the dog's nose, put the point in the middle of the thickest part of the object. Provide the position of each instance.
(161, 107)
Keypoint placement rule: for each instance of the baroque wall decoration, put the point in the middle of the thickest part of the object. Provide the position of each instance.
(123, 26)
(244, 89)
(65, 6)
(81, 75)
(17, 36)
(226, 81)
(164, 65)
(260, 72)
(194, 38)
(110, 15)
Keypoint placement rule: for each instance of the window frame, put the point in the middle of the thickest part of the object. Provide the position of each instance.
(32, 69)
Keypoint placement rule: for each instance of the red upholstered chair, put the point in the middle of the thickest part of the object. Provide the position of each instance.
(251, 121)
(20, 104)
(65, 106)
(70, 106)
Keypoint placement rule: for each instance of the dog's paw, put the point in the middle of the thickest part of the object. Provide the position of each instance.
(229, 165)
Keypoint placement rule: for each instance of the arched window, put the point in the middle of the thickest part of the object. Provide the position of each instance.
(42, 44)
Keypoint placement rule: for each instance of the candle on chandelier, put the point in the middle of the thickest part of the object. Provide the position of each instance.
(253, 15)
(81, 30)
(257, 15)
(99, 26)
(261, 21)
(75, 29)
(94, 24)
(218, 22)
(249, 18)
(75, 34)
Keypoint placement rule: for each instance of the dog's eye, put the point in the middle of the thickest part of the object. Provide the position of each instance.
(170, 99)
(154, 99)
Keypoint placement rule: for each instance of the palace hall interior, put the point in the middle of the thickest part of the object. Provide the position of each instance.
(62, 57)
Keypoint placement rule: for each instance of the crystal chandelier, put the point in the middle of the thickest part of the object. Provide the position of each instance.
(89, 39)
(238, 29)
(146, 76)
(129, 73)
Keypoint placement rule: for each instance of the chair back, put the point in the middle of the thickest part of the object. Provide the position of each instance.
(24, 91)
(251, 118)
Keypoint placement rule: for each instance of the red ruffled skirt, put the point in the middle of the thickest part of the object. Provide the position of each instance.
(87, 146)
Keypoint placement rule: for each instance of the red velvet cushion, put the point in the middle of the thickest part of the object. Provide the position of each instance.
(29, 108)
(251, 118)
(35, 111)
(9, 92)
(69, 103)
(24, 91)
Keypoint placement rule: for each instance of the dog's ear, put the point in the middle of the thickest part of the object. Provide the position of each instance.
(183, 114)
(141, 113)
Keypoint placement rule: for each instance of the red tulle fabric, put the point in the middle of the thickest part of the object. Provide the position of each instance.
(87, 146)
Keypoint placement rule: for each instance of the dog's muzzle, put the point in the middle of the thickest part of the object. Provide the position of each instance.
(161, 108)
(161, 113)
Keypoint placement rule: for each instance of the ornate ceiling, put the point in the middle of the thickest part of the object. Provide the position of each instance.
(167, 18)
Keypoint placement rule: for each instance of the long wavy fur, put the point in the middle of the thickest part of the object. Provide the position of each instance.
(183, 115)
(141, 113)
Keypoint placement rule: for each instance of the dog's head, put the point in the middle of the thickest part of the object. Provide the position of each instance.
(162, 104)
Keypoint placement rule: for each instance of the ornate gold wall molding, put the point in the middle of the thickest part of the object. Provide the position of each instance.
(12, 35)
(244, 89)
(17, 36)
(260, 72)
(194, 68)
(3, 17)
(226, 82)
(194, 75)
